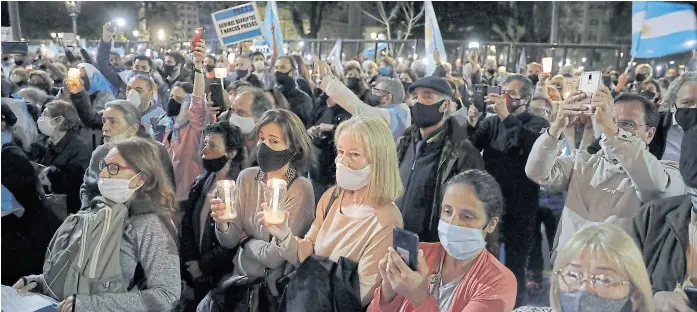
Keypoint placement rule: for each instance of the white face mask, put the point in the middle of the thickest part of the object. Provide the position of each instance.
(259, 66)
(460, 242)
(350, 179)
(45, 126)
(133, 97)
(246, 124)
(116, 190)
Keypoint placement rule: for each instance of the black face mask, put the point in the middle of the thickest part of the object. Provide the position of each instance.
(640, 77)
(169, 69)
(615, 81)
(688, 156)
(40, 86)
(580, 301)
(214, 165)
(210, 68)
(373, 100)
(19, 62)
(491, 71)
(241, 73)
(353, 83)
(270, 160)
(173, 108)
(425, 116)
(284, 81)
(686, 118)
(648, 95)
(85, 82)
(534, 79)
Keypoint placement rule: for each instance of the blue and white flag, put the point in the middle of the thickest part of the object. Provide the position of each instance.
(334, 57)
(662, 28)
(522, 62)
(433, 38)
(271, 17)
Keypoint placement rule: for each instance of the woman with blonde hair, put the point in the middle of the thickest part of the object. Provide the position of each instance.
(600, 269)
(354, 219)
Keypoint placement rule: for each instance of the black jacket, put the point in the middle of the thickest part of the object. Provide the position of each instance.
(660, 230)
(300, 104)
(458, 154)
(24, 239)
(323, 171)
(304, 86)
(67, 161)
(506, 145)
(214, 259)
(657, 146)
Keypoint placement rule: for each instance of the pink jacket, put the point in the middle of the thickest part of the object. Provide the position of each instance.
(487, 287)
(185, 154)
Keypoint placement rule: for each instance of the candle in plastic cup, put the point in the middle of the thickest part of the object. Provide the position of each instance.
(220, 72)
(547, 64)
(225, 190)
(275, 213)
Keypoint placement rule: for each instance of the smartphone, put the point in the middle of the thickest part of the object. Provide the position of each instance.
(13, 47)
(217, 95)
(691, 293)
(480, 93)
(590, 82)
(197, 38)
(407, 246)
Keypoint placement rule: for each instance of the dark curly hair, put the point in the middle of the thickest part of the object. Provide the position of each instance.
(485, 187)
(234, 141)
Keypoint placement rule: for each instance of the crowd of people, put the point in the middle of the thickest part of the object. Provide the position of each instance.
(134, 219)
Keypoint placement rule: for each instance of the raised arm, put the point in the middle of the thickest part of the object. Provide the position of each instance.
(344, 97)
(110, 72)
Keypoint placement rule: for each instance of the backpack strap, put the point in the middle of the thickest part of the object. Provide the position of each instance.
(331, 202)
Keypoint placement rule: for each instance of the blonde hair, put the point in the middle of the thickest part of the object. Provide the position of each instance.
(613, 242)
(553, 94)
(375, 138)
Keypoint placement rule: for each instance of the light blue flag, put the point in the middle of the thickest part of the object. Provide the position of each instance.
(433, 38)
(662, 28)
(271, 16)
(334, 57)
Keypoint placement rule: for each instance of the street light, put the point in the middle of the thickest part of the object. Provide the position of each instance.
(136, 34)
(583, 59)
(120, 22)
(74, 9)
(161, 34)
(302, 44)
(53, 35)
(373, 36)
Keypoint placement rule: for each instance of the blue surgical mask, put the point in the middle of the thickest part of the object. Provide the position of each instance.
(6, 137)
(460, 242)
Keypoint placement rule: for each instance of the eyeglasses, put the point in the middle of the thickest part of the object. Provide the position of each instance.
(575, 280)
(377, 91)
(112, 168)
(540, 111)
(628, 125)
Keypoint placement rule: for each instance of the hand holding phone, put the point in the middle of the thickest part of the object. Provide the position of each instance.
(407, 246)
(197, 37)
(691, 293)
(590, 82)
(217, 96)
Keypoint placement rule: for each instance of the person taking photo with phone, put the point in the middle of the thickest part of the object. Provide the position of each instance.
(457, 274)
(611, 185)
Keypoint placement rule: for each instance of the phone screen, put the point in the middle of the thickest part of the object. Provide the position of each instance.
(407, 246)
(217, 94)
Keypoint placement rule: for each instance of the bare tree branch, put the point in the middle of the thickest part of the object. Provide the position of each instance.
(358, 4)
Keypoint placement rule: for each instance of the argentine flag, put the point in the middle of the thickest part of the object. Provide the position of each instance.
(433, 38)
(662, 28)
(271, 15)
(334, 57)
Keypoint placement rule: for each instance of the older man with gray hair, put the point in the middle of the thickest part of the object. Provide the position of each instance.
(506, 141)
